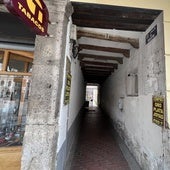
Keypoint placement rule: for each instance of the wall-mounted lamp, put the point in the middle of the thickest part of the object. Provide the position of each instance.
(75, 48)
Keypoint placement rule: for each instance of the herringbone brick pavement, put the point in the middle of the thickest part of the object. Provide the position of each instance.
(97, 149)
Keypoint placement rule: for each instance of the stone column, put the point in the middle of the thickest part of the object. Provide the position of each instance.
(41, 134)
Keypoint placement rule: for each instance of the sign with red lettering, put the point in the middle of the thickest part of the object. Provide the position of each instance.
(33, 12)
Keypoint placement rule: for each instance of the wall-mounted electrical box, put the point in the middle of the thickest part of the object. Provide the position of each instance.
(132, 84)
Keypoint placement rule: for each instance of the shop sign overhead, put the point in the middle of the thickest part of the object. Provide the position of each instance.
(33, 12)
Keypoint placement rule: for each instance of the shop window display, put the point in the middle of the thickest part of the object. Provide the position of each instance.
(14, 94)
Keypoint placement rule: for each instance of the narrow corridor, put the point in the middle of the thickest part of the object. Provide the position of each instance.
(97, 149)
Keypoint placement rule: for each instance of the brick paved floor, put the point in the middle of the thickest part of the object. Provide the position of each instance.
(96, 149)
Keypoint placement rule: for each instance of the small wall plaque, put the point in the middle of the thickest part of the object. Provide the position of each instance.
(151, 35)
(158, 110)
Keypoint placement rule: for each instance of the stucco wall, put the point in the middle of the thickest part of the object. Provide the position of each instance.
(68, 113)
(134, 122)
(68, 124)
(77, 95)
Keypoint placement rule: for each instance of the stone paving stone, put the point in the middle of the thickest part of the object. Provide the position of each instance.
(97, 149)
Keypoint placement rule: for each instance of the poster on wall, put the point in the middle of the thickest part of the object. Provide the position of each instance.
(158, 110)
(68, 83)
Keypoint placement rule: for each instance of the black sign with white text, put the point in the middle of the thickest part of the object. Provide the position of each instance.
(151, 34)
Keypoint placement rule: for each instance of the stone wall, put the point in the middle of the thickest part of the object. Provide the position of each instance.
(40, 140)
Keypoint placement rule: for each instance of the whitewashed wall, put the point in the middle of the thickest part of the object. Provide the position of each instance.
(77, 95)
(68, 113)
(64, 108)
(134, 122)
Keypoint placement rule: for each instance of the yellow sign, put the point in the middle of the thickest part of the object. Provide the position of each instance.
(68, 83)
(67, 89)
(158, 110)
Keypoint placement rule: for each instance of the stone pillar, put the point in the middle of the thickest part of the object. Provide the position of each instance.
(41, 134)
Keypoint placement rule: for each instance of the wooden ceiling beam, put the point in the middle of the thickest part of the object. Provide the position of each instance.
(138, 25)
(96, 73)
(115, 65)
(134, 42)
(111, 25)
(99, 73)
(114, 15)
(97, 66)
(94, 77)
(95, 81)
(111, 9)
(125, 52)
(116, 26)
(98, 69)
(81, 56)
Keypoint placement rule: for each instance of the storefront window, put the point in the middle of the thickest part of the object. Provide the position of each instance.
(14, 92)
(1, 59)
(15, 63)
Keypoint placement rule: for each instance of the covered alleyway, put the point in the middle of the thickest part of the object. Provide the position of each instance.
(97, 149)
(120, 48)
